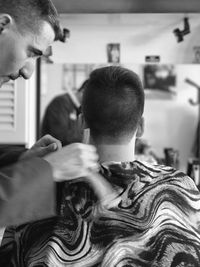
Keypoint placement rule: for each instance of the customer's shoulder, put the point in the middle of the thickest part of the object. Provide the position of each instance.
(155, 168)
(145, 173)
(164, 173)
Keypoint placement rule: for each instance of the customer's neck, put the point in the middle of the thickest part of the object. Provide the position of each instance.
(116, 152)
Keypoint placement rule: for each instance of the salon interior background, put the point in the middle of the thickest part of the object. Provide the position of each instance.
(139, 35)
(171, 122)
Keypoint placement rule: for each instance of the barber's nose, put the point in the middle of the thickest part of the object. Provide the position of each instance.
(27, 70)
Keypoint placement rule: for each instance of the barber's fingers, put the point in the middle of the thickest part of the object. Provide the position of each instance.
(81, 152)
(93, 167)
(86, 159)
(89, 160)
(88, 155)
(107, 195)
(48, 140)
(48, 149)
(39, 151)
(73, 161)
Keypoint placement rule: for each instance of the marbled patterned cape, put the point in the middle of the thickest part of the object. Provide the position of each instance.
(155, 223)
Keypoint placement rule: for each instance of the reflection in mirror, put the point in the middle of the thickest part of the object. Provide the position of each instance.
(61, 94)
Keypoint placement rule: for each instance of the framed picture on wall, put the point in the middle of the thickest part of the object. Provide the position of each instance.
(113, 53)
(159, 77)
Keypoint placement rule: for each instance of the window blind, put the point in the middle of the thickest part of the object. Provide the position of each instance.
(7, 107)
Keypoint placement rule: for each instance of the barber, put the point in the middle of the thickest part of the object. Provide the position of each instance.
(27, 29)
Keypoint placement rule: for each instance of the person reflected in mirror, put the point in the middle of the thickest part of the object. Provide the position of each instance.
(61, 116)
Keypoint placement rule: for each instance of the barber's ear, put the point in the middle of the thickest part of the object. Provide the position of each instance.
(5, 21)
(140, 129)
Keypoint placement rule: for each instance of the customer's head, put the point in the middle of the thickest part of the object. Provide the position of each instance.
(27, 28)
(113, 103)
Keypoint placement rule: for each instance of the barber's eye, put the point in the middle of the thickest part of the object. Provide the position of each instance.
(32, 55)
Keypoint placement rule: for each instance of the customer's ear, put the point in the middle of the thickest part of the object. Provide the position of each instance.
(140, 129)
(5, 22)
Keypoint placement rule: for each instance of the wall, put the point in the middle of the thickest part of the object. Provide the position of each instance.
(172, 123)
(169, 123)
(138, 34)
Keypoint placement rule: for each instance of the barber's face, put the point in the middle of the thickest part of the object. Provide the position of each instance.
(19, 52)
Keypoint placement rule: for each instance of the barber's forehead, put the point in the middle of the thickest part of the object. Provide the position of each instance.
(45, 32)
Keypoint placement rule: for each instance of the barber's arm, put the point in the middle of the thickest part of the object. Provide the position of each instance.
(10, 155)
(27, 188)
(26, 192)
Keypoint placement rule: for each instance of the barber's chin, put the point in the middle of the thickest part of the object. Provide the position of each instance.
(4, 80)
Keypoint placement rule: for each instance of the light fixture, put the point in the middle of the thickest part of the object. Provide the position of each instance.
(180, 33)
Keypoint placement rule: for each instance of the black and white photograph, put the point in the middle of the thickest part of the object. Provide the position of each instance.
(99, 133)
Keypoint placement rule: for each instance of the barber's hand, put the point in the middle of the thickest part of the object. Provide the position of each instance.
(45, 145)
(106, 193)
(73, 161)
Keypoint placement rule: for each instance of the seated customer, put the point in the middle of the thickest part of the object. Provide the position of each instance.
(154, 222)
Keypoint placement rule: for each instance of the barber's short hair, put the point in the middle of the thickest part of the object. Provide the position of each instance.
(113, 103)
(28, 15)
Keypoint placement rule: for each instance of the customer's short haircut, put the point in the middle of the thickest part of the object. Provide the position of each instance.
(28, 15)
(113, 103)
